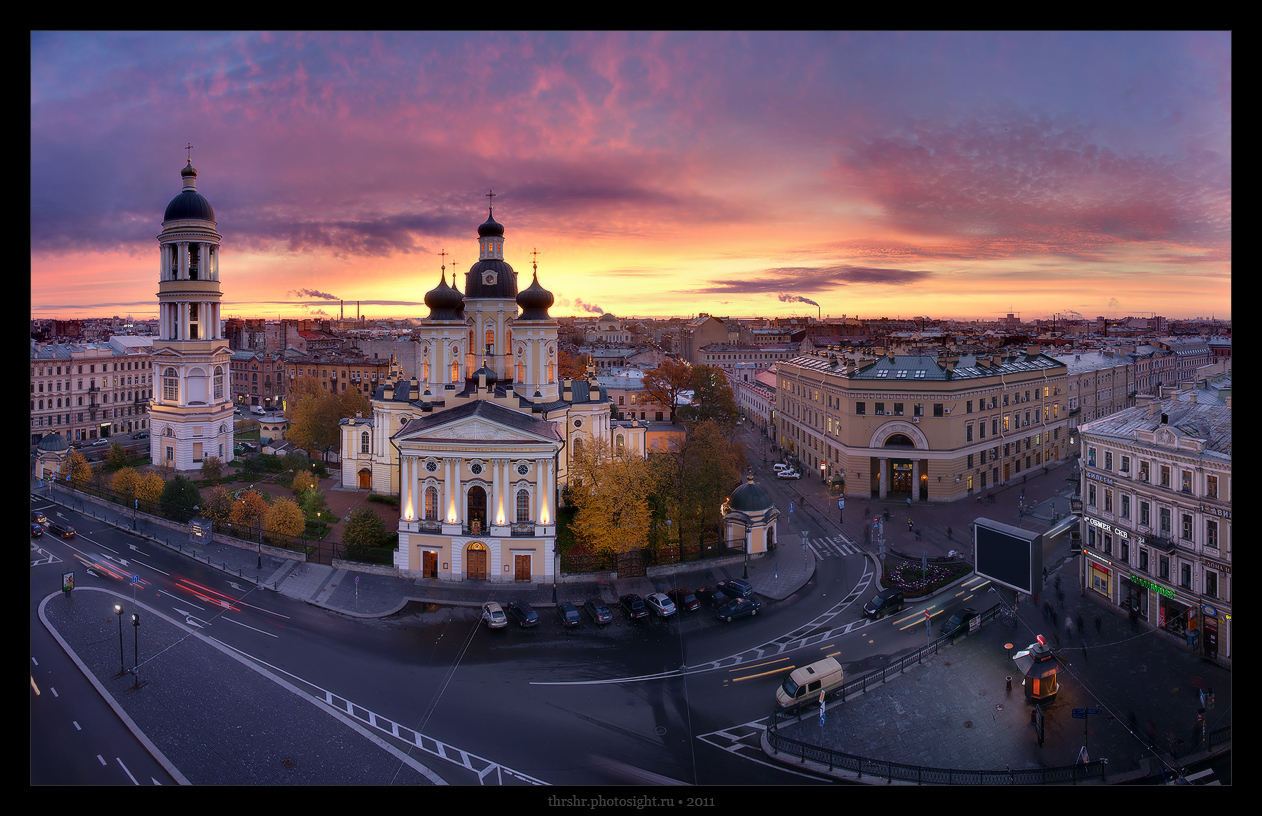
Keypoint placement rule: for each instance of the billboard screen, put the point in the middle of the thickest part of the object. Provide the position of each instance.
(1009, 556)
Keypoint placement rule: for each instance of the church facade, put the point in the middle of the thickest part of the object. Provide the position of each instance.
(477, 447)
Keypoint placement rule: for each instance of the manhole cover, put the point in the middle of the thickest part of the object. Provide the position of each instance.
(288, 763)
(659, 731)
(968, 723)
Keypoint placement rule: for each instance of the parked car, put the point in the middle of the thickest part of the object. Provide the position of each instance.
(36, 530)
(634, 606)
(37, 517)
(523, 613)
(141, 435)
(662, 605)
(737, 587)
(957, 624)
(712, 597)
(684, 599)
(886, 602)
(739, 608)
(788, 474)
(780, 466)
(598, 611)
(568, 614)
(493, 615)
(102, 441)
(61, 530)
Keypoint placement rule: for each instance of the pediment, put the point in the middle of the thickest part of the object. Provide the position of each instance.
(489, 423)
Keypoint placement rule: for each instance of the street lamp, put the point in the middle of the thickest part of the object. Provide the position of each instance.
(122, 663)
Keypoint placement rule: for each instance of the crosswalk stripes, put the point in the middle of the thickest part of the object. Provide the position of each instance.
(835, 546)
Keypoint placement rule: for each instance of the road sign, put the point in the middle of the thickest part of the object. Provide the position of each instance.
(821, 709)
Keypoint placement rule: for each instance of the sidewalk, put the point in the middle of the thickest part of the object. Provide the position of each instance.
(953, 711)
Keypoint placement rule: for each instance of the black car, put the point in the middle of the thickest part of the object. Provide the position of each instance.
(739, 608)
(634, 606)
(684, 599)
(36, 530)
(886, 602)
(568, 614)
(712, 598)
(737, 588)
(523, 613)
(957, 624)
(598, 611)
(38, 517)
(61, 530)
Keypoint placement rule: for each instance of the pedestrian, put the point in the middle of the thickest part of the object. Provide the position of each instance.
(1097, 624)
(1045, 575)
(909, 525)
(1069, 627)
(1082, 630)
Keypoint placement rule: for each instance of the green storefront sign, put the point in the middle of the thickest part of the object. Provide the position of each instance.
(1157, 588)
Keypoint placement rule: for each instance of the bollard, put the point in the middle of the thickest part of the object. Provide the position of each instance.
(1008, 683)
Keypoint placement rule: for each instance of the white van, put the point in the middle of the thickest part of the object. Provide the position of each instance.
(257, 409)
(804, 685)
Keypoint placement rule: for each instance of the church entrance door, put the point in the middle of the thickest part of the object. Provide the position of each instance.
(429, 564)
(521, 567)
(475, 562)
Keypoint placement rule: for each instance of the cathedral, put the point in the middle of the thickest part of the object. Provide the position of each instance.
(477, 447)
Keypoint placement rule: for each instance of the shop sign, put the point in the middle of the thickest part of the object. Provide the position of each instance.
(1157, 588)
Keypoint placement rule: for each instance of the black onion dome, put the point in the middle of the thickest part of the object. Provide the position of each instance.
(490, 278)
(535, 301)
(189, 203)
(749, 498)
(490, 227)
(444, 302)
(484, 371)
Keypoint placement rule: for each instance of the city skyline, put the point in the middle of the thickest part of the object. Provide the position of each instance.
(955, 175)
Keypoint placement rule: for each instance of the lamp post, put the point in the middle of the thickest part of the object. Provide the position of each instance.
(122, 662)
(135, 624)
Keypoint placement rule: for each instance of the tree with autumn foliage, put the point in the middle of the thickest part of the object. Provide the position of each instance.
(284, 517)
(249, 509)
(570, 366)
(314, 414)
(218, 505)
(712, 399)
(75, 469)
(667, 384)
(610, 491)
(149, 488)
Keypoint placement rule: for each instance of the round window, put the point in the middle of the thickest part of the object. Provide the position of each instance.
(431, 466)
(475, 468)
(523, 469)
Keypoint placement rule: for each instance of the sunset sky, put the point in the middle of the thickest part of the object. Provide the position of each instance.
(951, 175)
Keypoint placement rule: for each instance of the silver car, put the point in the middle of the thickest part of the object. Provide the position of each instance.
(493, 615)
(662, 605)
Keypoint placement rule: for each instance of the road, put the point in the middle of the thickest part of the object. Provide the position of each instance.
(680, 699)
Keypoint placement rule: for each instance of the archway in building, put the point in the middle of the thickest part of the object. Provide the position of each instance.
(365, 479)
(900, 469)
(475, 562)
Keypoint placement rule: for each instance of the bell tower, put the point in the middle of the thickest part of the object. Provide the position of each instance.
(191, 410)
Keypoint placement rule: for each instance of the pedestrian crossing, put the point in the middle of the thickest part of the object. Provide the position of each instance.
(834, 547)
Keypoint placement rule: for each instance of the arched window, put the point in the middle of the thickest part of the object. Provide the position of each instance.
(431, 503)
(170, 385)
(363, 442)
(620, 443)
(490, 341)
(218, 382)
(521, 371)
(552, 372)
(523, 505)
(455, 371)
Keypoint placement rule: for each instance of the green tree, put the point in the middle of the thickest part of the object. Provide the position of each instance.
(181, 495)
(712, 399)
(364, 531)
(117, 457)
(702, 475)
